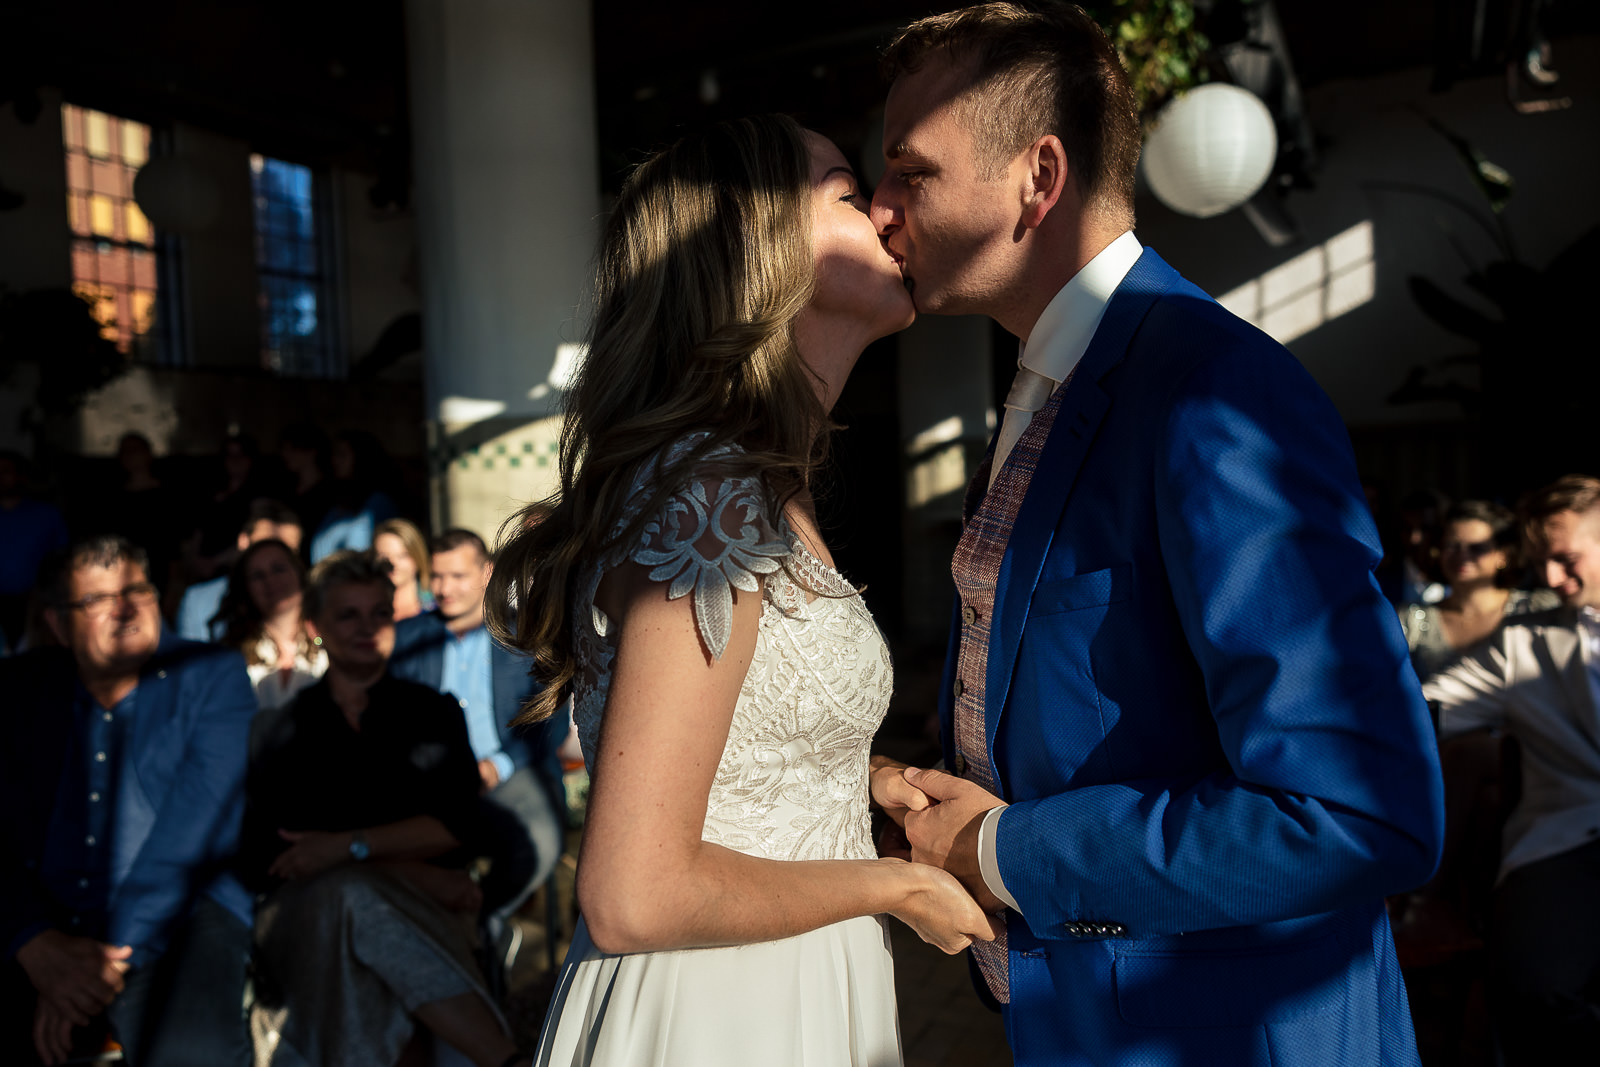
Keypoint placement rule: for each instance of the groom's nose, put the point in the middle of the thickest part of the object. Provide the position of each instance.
(885, 211)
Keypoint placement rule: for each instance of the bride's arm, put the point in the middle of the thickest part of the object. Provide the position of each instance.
(646, 881)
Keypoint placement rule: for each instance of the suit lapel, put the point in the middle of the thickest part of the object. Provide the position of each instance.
(153, 739)
(1083, 406)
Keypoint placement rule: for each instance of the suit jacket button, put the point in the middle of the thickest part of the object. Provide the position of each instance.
(161, 674)
(958, 688)
(960, 764)
(969, 615)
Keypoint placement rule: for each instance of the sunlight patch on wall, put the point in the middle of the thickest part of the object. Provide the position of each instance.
(938, 461)
(1314, 287)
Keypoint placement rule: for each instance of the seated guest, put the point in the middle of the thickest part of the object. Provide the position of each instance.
(224, 508)
(262, 616)
(1479, 557)
(403, 545)
(450, 650)
(145, 509)
(199, 613)
(1536, 678)
(359, 495)
(1409, 571)
(30, 530)
(303, 449)
(362, 798)
(122, 762)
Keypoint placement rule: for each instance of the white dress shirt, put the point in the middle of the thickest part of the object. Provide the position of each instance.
(1053, 348)
(1589, 638)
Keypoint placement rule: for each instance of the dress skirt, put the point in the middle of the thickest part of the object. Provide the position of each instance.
(822, 999)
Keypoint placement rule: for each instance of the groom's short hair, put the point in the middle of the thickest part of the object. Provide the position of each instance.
(1023, 54)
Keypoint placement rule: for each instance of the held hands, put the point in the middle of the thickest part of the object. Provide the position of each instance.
(78, 976)
(310, 852)
(941, 912)
(892, 792)
(945, 832)
(52, 1033)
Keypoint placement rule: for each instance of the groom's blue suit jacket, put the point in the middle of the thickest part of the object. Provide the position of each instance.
(1217, 757)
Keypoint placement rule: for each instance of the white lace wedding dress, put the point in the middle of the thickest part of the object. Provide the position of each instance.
(791, 785)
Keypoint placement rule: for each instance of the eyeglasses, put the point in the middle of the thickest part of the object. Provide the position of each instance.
(100, 605)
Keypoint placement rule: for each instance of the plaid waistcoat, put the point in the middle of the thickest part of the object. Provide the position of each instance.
(987, 521)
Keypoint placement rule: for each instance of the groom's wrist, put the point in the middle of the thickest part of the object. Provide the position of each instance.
(989, 857)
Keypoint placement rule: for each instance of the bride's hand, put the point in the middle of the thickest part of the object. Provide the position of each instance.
(941, 912)
(891, 792)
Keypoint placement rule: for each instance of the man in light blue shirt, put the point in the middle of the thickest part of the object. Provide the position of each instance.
(449, 649)
(469, 677)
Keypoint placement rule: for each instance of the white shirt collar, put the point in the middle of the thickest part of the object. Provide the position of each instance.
(1062, 335)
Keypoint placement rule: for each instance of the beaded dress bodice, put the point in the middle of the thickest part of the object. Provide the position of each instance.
(792, 780)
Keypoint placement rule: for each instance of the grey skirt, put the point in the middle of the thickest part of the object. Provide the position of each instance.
(344, 959)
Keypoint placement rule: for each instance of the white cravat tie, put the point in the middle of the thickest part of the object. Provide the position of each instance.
(1029, 392)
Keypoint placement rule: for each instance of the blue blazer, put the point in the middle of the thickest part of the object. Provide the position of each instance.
(176, 825)
(1217, 758)
(419, 644)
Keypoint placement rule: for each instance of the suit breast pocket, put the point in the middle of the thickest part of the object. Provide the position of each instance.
(1092, 589)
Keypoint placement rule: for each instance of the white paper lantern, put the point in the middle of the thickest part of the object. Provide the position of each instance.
(1211, 150)
(177, 193)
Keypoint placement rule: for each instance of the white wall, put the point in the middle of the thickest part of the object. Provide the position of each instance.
(1375, 133)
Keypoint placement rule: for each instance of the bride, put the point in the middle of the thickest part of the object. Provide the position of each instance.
(726, 679)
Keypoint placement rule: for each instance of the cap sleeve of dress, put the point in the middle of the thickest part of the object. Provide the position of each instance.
(707, 540)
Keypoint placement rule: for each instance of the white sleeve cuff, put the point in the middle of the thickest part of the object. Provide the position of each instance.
(989, 860)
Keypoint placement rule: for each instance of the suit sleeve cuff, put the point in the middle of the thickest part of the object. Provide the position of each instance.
(989, 859)
(503, 765)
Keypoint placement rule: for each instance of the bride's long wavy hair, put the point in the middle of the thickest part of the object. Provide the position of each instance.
(705, 263)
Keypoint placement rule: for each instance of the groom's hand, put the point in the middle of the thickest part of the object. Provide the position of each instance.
(946, 834)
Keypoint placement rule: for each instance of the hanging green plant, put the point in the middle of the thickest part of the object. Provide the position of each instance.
(1160, 43)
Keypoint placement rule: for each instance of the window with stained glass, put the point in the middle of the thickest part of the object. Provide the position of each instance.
(114, 248)
(295, 312)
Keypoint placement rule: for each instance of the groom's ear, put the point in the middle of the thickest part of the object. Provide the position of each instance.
(1046, 179)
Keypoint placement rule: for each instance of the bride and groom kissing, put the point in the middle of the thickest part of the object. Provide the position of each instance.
(1185, 756)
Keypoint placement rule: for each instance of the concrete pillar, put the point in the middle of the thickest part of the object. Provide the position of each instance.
(507, 190)
(946, 416)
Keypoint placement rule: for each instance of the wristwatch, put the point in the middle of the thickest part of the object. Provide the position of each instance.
(358, 846)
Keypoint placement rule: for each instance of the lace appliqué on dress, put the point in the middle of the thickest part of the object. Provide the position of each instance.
(691, 546)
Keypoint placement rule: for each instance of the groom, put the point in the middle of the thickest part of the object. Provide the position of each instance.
(1190, 757)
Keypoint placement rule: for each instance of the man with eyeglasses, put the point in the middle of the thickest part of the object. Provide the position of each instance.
(122, 763)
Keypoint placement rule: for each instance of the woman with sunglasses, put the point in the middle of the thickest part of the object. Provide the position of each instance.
(1479, 557)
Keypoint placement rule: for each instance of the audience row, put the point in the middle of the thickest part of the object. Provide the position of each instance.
(322, 798)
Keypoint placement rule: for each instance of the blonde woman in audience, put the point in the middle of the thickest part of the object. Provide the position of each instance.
(406, 550)
(263, 621)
